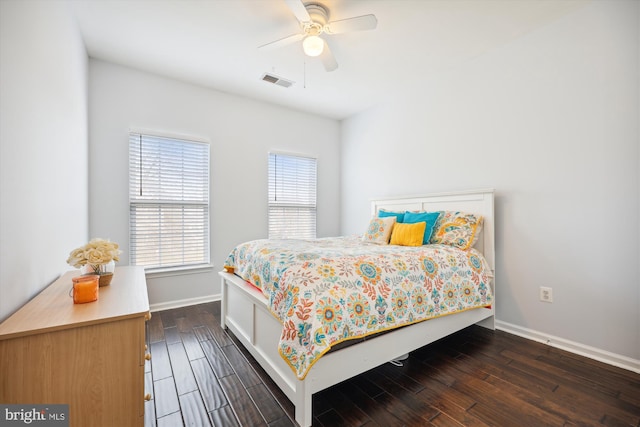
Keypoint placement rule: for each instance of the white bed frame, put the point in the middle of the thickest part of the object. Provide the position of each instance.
(245, 313)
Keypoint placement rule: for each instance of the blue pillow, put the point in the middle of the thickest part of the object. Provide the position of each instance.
(399, 215)
(429, 217)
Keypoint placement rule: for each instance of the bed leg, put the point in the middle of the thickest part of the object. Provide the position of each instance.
(303, 405)
(489, 323)
(223, 303)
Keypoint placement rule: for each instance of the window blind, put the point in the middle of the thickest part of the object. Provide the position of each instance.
(168, 202)
(292, 197)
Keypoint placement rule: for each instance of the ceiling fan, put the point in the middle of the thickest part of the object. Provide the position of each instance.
(314, 21)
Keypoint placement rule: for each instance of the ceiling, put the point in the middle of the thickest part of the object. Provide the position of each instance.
(214, 43)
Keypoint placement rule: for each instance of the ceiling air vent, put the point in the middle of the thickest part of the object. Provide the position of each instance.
(271, 78)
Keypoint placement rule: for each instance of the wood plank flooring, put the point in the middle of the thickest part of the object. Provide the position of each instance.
(200, 375)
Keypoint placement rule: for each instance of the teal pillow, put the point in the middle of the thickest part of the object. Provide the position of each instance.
(399, 215)
(429, 217)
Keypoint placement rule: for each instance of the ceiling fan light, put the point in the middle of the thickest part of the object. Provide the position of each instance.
(312, 45)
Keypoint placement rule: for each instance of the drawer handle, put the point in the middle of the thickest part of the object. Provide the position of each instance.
(147, 316)
(147, 356)
(147, 397)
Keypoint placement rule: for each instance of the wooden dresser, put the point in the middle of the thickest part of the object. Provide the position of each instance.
(89, 356)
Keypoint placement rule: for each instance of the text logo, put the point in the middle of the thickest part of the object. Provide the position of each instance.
(34, 415)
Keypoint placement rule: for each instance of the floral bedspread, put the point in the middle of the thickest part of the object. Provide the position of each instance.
(326, 291)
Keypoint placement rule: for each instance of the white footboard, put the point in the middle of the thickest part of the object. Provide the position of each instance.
(245, 313)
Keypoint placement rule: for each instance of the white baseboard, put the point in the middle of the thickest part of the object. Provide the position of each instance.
(184, 302)
(600, 355)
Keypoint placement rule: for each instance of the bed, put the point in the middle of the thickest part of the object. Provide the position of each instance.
(251, 316)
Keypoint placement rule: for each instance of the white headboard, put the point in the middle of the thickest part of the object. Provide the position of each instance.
(475, 201)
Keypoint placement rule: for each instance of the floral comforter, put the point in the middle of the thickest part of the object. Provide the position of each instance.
(326, 291)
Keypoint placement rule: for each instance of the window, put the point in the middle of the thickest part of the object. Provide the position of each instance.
(168, 203)
(292, 197)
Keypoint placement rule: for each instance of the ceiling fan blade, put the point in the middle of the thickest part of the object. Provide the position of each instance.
(298, 9)
(282, 42)
(327, 58)
(359, 23)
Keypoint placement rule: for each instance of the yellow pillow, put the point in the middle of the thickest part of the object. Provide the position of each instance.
(408, 234)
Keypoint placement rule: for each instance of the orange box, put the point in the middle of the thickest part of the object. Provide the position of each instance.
(85, 288)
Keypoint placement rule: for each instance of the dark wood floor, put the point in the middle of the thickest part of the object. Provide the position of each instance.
(201, 376)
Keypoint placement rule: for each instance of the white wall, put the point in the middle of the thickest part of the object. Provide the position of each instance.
(241, 133)
(43, 147)
(551, 122)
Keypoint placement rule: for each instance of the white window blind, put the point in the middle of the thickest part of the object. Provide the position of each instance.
(292, 197)
(168, 202)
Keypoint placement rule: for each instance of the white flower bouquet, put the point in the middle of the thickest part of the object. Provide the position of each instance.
(96, 254)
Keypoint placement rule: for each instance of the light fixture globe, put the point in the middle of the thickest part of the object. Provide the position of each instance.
(312, 45)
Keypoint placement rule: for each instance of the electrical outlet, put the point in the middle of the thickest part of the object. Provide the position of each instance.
(546, 294)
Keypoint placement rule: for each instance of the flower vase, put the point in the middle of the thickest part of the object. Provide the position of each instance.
(105, 271)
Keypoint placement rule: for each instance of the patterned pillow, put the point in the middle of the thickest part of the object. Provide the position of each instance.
(459, 229)
(379, 230)
(408, 234)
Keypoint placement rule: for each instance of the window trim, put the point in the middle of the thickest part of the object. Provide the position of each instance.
(315, 205)
(182, 269)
